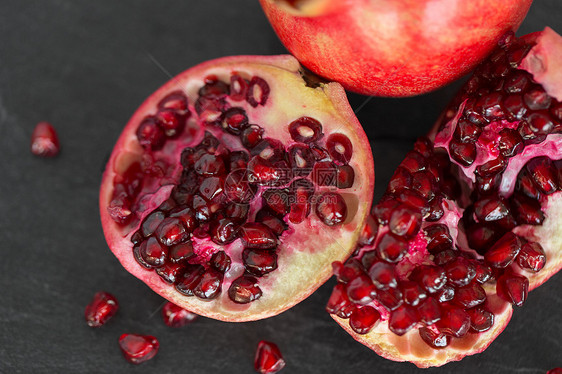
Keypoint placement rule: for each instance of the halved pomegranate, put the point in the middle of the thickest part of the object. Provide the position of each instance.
(470, 221)
(235, 185)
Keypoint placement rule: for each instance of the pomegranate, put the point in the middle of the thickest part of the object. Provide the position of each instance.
(138, 348)
(469, 221)
(44, 140)
(268, 358)
(100, 310)
(175, 316)
(389, 47)
(235, 185)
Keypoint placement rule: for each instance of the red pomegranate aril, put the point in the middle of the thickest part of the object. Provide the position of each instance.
(517, 82)
(460, 271)
(345, 273)
(301, 159)
(150, 134)
(537, 99)
(424, 183)
(331, 209)
(510, 142)
(171, 231)
(467, 131)
(276, 224)
(515, 106)
(186, 215)
(369, 232)
(209, 165)
(339, 302)
(526, 186)
(153, 253)
(470, 295)
(414, 200)
(181, 252)
(138, 348)
(390, 298)
(412, 293)
(277, 199)
(340, 148)
(244, 290)
(555, 371)
(526, 210)
(258, 92)
(363, 319)
(401, 179)
(481, 320)
(237, 188)
(504, 251)
(151, 222)
(439, 238)
(531, 257)
(170, 272)
(259, 261)
(434, 339)
(405, 222)
(214, 87)
(391, 248)
(257, 235)
(402, 320)
(238, 88)
(262, 171)
(171, 122)
(483, 272)
(463, 153)
(167, 206)
(305, 130)
(234, 120)
(447, 293)
(431, 278)
(487, 186)
(413, 162)
(481, 236)
(492, 167)
(251, 136)
(221, 261)
(361, 290)
(223, 231)
(444, 257)
(190, 279)
(175, 316)
(541, 170)
(491, 106)
(454, 321)
(268, 358)
(100, 310)
(540, 123)
(345, 176)
(324, 173)
(44, 140)
(209, 286)
(383, 210)
(383, 275)
(513, 288)
(491, 209)
(429, 311)
(175, 100)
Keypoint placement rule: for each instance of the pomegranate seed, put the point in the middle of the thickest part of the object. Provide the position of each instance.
(170, 272)
(460, 271)
(492, 167)
(209, 165)
(234, 120)
(44, 140)
(531, 257)
(361, 290)
(390, 298)
(447, 293)
(244, 290)
(340, 148)
(368, 233)
(186, 215)
(223, 231)
(175, 316)
(258, 92)
(324, 173)
(439, 238)
(237, 188)
(517, 82)
(190, 279)
(221, 261)
(537, 99)
(171, 231)
(454, 322)
(526, 186)
(463, 153)
(470, 295)
(543, 174)
(150, 134)
(277, 199)
(480, 319)
(504, 251)
(481, 237)
(383, 275)
(301, 159)
(151, 222)
(402, 320)
(331, 208)
(171, 122)
(434, 339)
(444, 257)
(491, 106)
(167, 206)
(238, 87)
(239, 160)
(210, 285)
(402, 179)
(269, 219)
(363, 319)
(413, 162)
(346, 273)
(251, 136)
(100, 310)
(429, 311)
(467, 131)
(345, 175)
(257, 235)
(339, 302)
(383, 210)
(510, 143)
(175, 100)
(405, 222)
(181, 252)
(138, 348)
(305, 130)
(487, 186)
(431, 278)
(490, 209)
(526, 210)
(483, 272)
(152, 252)
(513, 288)
(268, 358)
(262, 171)
(555, 371)
(391, 248)
(412, 293)
(214, 87)
(259, 262)
(369, 258)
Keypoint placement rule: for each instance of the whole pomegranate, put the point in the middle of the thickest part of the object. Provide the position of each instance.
(235, 185)
(392, 47)
(469, 223)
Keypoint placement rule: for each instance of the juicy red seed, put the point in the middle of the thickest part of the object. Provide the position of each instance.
(414, 200)
(214, 87)
(138, 257)
(258, 92)
(238, 87)
(513, 288)
(412, 293)
(262, 171)
(383, 275)
(463, 153)
(434, 339)
(491, 106)
(171, 230)
(400, 180)
(460, 271)
(541, 170)
(187, 216)
(320, 154)
(223, 231)
(44, 140)
(454, 322)
(531, 257)
(221, 261)
(137, 238)
(481, 237)
(537, 99)
(269, 219)
(209, 286)
(305, 130)
(383, 210)
(340, 148)
(447, 293)
(424, 183)
(268, 358)
(413, 162)
(238, 160)
(251, 136)
(439, 238)
(151, 222)
(324, 173)
(526, 186)
(278, 199)
(491, 209)
(209, 165)
(181, 252)
(171, 122)
(346, 273)
(175, 316)
(390, 298)
(429, 311)
(480, 319)
(138, 348)
(152, 252)
(363, 319)
(402, 320)
(175, 100)
(244, 290)
(211, 188)
(234, 120)
(170, 272)
(487, 186)
(467, 131)
(301, 159)
(368, 233)
(510, 143)
(492, 167)
(517, 82)
(102, 307)
(368, 258)
(526, 210)
(405, 222)
(237, 212)
(444, 257)
(470, 296)
(259, 261)
(237, 188)
(515, 106)
(391, 248)
(150, 134)
(167, 205)
(257, 235)
(540, 123)
(504, 251)
(431, 278)
(181, 195)
(338, 301)
(361, 290)
(331, 208)
(190, 279)
(483, 272)
(302, 191)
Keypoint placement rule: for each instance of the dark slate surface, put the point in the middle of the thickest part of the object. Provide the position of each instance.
(85, 66)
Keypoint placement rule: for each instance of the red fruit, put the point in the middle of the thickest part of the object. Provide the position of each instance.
(268, 358)
(100, 310)
(363, 319)
(175, 316)
(493, 235)
(44, 140)
(219, 215)
(555, 371)
(355, 43)
(138, 348)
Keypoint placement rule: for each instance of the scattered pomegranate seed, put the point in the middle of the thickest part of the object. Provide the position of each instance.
(268, 358)
(44, 140)
(175, 316)
(102, 307)
(138, 348)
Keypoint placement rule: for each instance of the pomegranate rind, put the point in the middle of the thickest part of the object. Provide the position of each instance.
(305, 263)
(410, 346)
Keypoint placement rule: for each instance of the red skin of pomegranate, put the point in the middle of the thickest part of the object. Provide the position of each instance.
(306, 262)
(392, 48)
